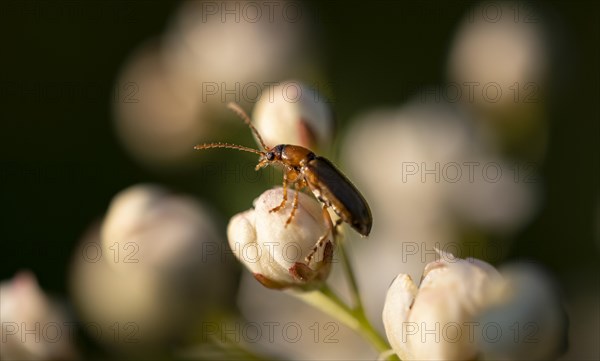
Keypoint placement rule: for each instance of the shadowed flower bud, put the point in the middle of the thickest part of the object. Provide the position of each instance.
(505, 71)
(208, 43)
(277, 255)
(33, 326)
(526, 305)
(463, 308)
(500, 54)
(150, 268)
(157, 230)
(292, 113)
(154, 105)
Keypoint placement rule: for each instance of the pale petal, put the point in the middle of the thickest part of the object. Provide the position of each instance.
(396, 309)
(241, 234)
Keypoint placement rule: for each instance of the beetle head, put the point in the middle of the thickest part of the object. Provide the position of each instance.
(270, 156)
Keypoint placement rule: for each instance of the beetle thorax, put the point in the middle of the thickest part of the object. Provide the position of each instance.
(295, 156)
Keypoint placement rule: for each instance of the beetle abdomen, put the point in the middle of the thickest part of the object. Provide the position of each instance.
(331, 187)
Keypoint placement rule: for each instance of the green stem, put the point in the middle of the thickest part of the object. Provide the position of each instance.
(327, 301)
(358, 306)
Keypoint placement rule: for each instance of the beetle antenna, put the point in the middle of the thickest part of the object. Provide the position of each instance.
(242, 114)
(227, 145)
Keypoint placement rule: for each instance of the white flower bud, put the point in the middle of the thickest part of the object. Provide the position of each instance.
(527, 310)
(451, 292)
(148, 227)
(502, 68)
(33, 326)
(463, 308)
(292, 113)
(499, 54)
(276, 254)
(150, 267)
(157, 113)
(221, 50)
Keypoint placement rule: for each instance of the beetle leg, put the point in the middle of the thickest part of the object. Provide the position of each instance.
(284, 200)
(320, 243)
(294, 207)
(298, 186)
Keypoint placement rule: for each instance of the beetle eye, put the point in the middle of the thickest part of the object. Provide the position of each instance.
(270, 156)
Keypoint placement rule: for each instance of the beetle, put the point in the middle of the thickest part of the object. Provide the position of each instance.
(303, 168)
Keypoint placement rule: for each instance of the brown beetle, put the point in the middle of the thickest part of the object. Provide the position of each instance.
(304, 168)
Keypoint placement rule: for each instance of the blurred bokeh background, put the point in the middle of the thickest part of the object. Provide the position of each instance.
(98, 97)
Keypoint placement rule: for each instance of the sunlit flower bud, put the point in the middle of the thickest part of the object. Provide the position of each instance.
(292, 113)
(464, 309)
(451, 293)
(276, 254)
(33, 326)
